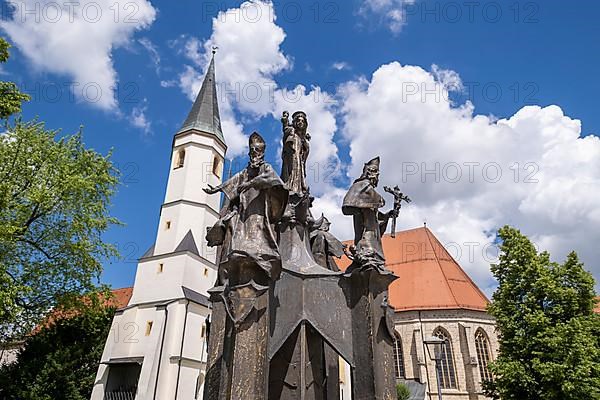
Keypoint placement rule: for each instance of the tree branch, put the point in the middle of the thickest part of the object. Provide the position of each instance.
(37, 247)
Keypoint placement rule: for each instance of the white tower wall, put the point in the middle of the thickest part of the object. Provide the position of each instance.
(156, 349)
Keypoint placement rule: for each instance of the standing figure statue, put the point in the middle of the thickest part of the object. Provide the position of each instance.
(249, 265)
(363, 202)
(295, 151)
(324, 245)
(368, 281)
(255, 201)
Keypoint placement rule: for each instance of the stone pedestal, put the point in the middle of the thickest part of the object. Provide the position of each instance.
(372, 334)
(297, 370)
(332, 372)
(238, 346)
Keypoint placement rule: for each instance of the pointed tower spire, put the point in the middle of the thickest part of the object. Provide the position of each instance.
(204, 115)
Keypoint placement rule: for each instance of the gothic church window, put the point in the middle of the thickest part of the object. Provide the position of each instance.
(482, 345)
(398, 359)
(448, 370)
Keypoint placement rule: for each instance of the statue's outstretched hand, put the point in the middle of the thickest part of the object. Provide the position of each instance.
(210, 189)
(285, 119)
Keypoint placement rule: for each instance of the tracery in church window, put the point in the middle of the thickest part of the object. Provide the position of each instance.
(448, 370)
(398, 359)
(482, 345)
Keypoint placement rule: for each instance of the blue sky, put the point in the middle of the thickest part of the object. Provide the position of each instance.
(494, 59)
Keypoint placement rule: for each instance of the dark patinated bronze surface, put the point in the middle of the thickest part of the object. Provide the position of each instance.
(295, 151)
(399, 197)
(367, 289)
(282, 312)
(324, 245)
(249, 263)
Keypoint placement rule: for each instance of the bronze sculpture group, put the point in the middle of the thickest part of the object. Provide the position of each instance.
(282, 311)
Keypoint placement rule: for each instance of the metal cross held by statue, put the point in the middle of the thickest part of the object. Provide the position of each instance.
(399, 197)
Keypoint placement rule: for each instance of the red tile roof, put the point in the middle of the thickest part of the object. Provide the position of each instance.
(597, 308)
(430, 278)
(121, 297)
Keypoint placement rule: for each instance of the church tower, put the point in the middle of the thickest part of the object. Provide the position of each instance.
(156, 349)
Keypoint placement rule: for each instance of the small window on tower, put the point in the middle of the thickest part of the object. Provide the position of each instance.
(180, 159)
(168, 225)
(161, 267)
(342, 370)
(205, 271)
(217, 166)
(148, 328)
(203, 331)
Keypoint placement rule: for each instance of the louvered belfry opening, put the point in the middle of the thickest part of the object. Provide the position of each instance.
(122, 381)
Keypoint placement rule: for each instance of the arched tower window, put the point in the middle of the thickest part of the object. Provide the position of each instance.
(448, 371)
(482, 345)
(398, 359)
(217, 166)
(180, 159)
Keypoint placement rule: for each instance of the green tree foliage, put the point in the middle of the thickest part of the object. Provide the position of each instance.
(549, 334)
(402, 392)
(10, 96)
(60, 360)
(54, 200)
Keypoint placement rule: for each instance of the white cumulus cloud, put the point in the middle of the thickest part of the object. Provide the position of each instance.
(467, 174)
(249, 56)
(152, 52)
(470, 174)
(246, 78)
(139, 118)
(76, 40)
(340, 65)
(391, 13)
